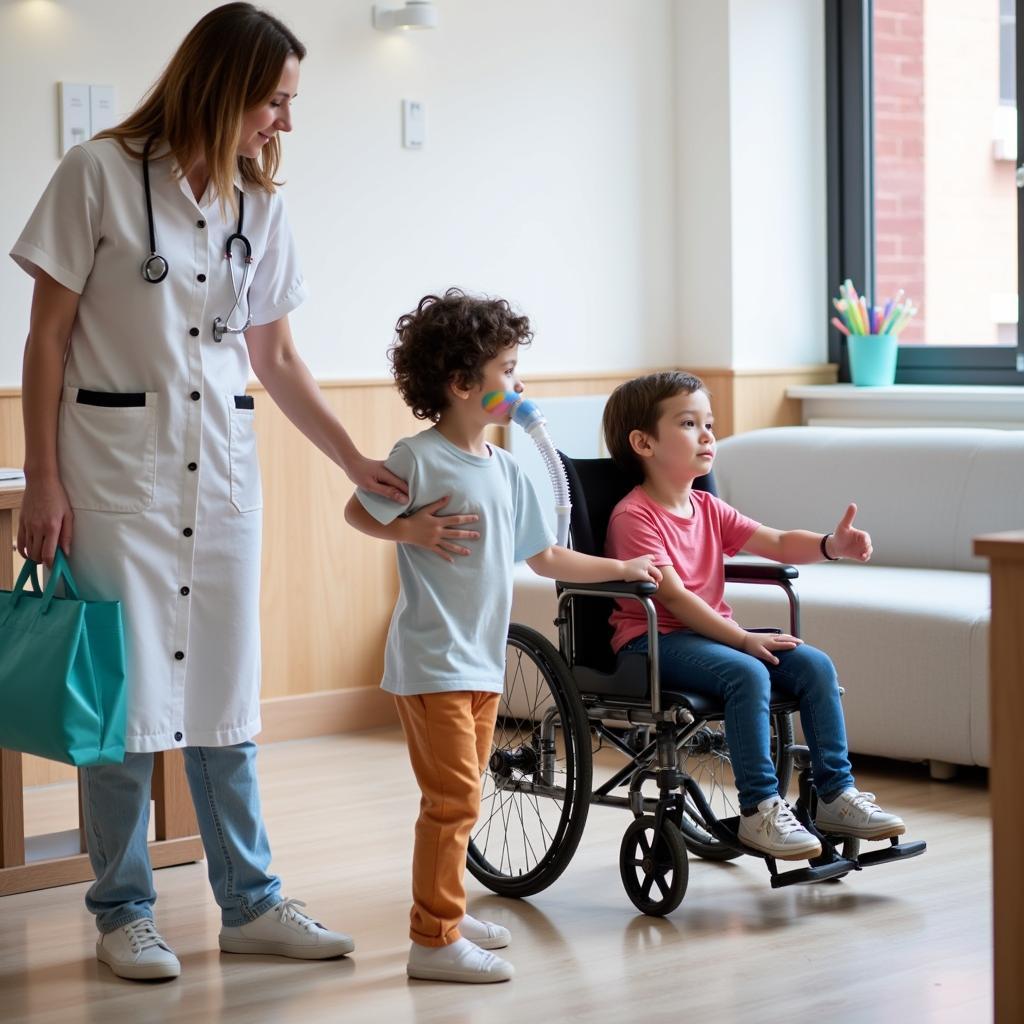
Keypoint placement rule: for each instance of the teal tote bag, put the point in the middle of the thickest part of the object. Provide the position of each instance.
(62, 671)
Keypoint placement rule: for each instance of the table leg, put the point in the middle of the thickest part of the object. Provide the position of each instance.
(12, 810)
(173, 813)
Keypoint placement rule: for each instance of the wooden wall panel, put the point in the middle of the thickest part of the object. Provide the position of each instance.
(759, 396)
(327, 592)
(12, 434)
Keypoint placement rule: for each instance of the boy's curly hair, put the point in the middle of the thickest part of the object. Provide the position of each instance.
(449, 338)
(636, 405)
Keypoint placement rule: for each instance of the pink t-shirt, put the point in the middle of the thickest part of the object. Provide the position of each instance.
(694, 547)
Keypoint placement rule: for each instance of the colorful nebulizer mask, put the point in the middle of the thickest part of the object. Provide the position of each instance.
(501, 404)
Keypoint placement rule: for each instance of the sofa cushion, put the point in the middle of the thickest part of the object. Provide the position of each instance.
(910, 646)
(923, 494)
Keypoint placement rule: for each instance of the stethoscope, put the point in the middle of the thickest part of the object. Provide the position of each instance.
(155, 267)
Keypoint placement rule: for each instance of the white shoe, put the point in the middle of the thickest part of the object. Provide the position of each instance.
(285, 931)
(774, 829)
(138, 951)
(856, 814)
(460, 961)
(484, 934)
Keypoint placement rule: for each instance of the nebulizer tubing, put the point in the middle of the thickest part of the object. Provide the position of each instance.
(531, 419)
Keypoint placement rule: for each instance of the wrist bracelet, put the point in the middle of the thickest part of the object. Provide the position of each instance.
(824, 549)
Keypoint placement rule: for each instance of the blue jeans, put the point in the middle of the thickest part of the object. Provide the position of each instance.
(691, 663)
(226, 798)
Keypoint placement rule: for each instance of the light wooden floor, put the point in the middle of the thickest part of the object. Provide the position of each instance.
(909, 942)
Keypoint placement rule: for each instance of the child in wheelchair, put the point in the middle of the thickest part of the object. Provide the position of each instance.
(471, 514)
(659, 429)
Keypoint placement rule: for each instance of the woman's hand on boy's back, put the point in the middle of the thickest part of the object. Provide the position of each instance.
(374, 476)
(427, 528)
(847, 541)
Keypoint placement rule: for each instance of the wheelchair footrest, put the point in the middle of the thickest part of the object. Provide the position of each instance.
(727, 830)
(820, 873)
(896, 851)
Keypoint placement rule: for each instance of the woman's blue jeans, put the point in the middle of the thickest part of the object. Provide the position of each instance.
(693, 663)
(222, 780)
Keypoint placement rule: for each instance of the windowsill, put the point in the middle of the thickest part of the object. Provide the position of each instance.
(910, 405)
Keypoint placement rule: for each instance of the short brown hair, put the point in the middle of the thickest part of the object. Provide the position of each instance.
(449, 338)
(636, 405)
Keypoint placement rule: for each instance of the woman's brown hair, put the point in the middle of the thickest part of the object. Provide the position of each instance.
(230, 62)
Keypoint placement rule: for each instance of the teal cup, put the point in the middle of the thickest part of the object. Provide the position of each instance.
(872, 359)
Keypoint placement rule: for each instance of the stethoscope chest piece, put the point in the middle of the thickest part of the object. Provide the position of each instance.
(154, 268)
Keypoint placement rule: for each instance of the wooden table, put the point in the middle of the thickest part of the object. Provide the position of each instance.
(40, 862)
(1005, 552)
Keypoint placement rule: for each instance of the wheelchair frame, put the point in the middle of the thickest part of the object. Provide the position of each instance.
(681, 810)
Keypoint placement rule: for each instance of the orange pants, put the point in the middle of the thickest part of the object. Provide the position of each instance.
(449, 738)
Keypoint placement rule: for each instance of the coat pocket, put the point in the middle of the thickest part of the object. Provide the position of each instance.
(106, 449)
(246, 490)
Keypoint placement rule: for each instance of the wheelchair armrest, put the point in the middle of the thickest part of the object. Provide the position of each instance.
(759, 572)
(619, 588)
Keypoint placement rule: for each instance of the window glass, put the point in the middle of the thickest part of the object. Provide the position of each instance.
(945, 205)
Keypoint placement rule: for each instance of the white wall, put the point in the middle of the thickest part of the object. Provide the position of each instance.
(547, 176)
(777, 129)
(750, 150)
(646, 181)
(704, 245)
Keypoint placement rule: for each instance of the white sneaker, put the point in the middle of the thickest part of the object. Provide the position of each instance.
(460, 961)
(485, 934)
(774, 829)
(138, 951)
(854, 813)
(285, 931)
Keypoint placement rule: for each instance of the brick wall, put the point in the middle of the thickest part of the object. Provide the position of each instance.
(899, 156)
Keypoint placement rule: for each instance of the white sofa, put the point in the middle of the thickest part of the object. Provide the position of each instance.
(909, 631)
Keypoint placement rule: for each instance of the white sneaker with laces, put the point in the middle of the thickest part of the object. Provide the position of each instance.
(856, 814)
(137, 951)
(774, 829)
(485, 934)
(461, 961)
(284, 930)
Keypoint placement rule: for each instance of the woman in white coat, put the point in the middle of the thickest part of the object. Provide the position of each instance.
(141, 459)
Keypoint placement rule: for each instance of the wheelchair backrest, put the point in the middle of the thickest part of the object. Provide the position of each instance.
(596, 486)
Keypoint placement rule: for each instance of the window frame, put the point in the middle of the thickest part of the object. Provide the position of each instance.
(849, 133)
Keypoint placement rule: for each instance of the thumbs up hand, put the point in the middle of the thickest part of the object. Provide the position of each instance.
(847, 541)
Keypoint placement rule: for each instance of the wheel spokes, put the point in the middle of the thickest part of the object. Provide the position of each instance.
(531, 819)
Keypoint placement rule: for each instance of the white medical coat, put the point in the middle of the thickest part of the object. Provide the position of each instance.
(155, 439)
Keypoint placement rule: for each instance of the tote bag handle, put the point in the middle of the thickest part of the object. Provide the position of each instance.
(30, 572)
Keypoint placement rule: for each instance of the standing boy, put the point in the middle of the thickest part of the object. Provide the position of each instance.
(445, 658)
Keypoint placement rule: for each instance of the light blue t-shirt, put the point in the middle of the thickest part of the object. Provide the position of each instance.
(449, 627)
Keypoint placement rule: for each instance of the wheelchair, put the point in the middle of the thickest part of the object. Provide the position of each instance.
(562, 706)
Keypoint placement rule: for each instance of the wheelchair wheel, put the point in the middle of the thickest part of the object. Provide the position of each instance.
(536, 789)
(705, 758)
(653, 865)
